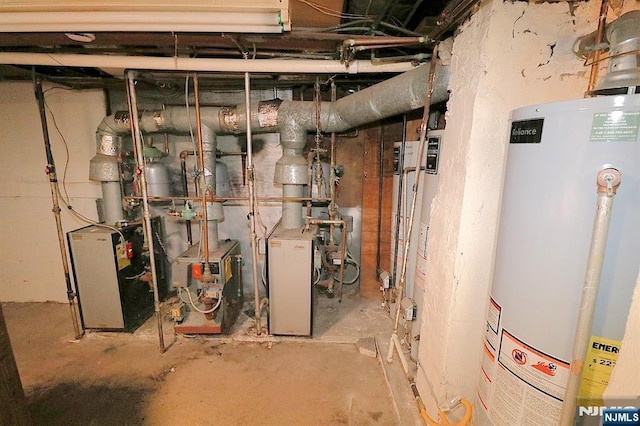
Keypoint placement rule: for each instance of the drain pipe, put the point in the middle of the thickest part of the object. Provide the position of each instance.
(148, 232)
(53, 183)
(608, 181)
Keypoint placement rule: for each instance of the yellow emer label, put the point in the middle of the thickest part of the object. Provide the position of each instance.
(601, 358)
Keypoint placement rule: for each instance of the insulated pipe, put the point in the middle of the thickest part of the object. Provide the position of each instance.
(294, 119)
(608, 181)
(291, 172)
(215, 213)
(148, 231)
(112, 202)
(308, 66)
(292, 210)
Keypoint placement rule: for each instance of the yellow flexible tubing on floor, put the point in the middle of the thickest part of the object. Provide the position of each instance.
(445, 422)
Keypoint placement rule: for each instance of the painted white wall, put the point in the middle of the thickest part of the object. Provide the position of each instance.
(506, 56)
(625, 377)
(29, 251)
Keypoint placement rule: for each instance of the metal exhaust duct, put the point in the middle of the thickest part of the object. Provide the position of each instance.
(623, 37)
(293, 120)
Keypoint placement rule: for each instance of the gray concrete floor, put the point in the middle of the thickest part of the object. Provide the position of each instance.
(241, 379)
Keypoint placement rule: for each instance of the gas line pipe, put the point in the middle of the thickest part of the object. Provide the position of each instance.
(53, 183)
(148, 231)
(607, 181)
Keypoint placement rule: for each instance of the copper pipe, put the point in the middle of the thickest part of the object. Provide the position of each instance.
(593, 74)
(205, 224)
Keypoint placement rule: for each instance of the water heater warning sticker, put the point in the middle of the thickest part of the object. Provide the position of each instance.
(615, 126)
(543, 372)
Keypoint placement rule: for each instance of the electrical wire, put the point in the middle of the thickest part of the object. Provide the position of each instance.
(65, 198)
(64, 143)
(135, 277)
(186, 101)
(83, 218)
(191, 302)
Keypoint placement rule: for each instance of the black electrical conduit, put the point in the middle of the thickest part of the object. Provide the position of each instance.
(53, 183)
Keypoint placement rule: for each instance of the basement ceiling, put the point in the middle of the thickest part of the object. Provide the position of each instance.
(319, 30)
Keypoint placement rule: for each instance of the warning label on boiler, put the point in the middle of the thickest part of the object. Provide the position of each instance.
(615, 126)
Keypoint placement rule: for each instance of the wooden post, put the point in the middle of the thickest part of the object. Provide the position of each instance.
(13, 405)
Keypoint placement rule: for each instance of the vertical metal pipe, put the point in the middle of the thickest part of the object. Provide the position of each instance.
(593, 74)
(409, 226)
(185, 187)
(332, 171)
(148, 231)
(252, 208)
(204, 244)
(608, 181)
(380, 187)
(343, 258)
(53, 185)
(396, 232)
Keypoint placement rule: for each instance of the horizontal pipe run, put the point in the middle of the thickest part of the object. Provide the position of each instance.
(216, 199)
(201, 64)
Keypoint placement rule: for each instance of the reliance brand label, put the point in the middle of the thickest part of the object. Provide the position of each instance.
(526, 131)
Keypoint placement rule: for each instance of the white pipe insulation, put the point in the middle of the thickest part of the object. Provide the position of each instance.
(307, 66)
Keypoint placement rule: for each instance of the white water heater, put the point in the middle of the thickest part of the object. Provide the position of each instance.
(549, 205)
(405, 174)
